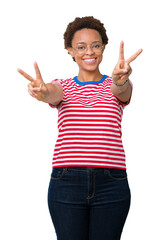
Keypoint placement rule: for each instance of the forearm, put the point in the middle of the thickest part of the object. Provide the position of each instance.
(53, 95)
(123, 93)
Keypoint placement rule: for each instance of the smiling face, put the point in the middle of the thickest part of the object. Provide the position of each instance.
(90, 59)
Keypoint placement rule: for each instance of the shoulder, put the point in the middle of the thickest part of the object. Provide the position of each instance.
(108, 79)
(62, 81)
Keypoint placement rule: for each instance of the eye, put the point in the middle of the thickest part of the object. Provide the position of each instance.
(81, 47)
(96, 46)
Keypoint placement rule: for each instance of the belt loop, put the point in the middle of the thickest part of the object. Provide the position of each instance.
(65, 169)
(106, 170)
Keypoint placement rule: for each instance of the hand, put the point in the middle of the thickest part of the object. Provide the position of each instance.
(122, 69)
(36, 88)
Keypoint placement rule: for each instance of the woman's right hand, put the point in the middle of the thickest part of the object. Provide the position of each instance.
(36, 88)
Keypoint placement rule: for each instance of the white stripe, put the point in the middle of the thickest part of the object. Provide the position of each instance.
(111, 107)
(91, 159)
(115, 137)
(87, 155)
(101, 108)
(88, 103)
(99, 123)
(90, 140)
(89, 113)
(106, 99)
(98, 109)
(95, 146)
(89, 118)
(95, 132)
(91, 127)
(88, 145)
(101, 104)
(88, 151)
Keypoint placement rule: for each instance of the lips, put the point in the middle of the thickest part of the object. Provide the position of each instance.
(89, 60)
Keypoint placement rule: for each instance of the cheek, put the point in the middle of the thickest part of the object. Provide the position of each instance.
(77, 59)
(100, 57)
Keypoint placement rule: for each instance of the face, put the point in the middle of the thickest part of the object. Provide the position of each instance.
(90, 59)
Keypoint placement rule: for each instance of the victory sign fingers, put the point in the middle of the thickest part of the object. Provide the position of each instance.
(36, 82)
(24, 74)
(134, 56)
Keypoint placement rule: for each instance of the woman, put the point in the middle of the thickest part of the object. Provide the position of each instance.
(89, 195)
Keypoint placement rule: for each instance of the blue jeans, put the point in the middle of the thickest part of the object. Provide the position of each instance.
(88, 203)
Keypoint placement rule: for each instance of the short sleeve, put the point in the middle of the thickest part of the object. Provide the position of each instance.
(59, 82)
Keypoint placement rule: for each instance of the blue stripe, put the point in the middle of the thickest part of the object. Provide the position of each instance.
(90, 82)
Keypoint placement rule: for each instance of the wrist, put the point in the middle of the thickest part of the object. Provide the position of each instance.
(120, 88)
(45, 96)
(120, 85)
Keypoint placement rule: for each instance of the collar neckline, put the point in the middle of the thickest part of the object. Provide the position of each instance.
(90, 82)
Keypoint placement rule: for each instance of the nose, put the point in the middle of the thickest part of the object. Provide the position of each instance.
(89, 50)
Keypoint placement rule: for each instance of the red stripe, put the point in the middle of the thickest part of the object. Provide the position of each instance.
(91, 117)
(91, 139)
(99, 157)
(114, 106)
(86, 165)
(86, 147)
(66, 121)
(91, 111)
(88, 134)
(89, 125)
(64, 130)
(86, 143)
(90, 120)
(85, 152)
(83, 161)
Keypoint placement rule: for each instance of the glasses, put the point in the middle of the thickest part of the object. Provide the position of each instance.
(82, 48)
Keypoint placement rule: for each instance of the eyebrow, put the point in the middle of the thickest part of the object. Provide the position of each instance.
(91, 43)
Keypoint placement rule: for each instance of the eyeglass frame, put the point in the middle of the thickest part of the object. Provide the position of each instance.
(87, 47)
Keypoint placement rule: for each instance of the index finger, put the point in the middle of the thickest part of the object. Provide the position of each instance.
(121, 51)
(24, 74)
(134, 56)
(38, 74)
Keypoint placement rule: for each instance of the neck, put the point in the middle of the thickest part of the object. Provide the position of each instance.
(89, 76)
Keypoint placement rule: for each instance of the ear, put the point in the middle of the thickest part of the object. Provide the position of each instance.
(70, 51)
(103, 48)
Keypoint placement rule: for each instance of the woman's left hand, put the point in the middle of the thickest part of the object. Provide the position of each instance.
(122, 69)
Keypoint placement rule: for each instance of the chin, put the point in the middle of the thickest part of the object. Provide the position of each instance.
(90, 68)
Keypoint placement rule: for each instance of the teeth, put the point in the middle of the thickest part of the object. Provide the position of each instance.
(89, 60)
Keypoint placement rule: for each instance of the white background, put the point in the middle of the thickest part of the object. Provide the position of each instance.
(33, 30)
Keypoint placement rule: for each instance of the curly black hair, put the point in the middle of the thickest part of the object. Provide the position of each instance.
(85, 22)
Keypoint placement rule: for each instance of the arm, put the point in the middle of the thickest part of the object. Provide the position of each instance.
(123, 93)
(49, 93)
(55, 94)
(121, 86)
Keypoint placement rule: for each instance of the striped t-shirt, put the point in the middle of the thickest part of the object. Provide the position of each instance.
(89, 125)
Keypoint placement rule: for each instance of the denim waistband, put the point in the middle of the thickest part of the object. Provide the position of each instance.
(87, 168)
(83, 168)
